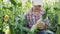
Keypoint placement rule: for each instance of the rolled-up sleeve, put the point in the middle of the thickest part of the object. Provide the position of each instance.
(46, 21)
(45, 18)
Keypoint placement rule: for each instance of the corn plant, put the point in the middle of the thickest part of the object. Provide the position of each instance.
(12, 15)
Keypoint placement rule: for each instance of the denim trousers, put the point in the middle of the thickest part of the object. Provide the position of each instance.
(44, 32)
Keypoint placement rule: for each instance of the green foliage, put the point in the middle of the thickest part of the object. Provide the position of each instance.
(15, 13)
(13, 2)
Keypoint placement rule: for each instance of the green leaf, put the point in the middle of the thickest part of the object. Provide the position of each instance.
(13, 2)
(20, 4)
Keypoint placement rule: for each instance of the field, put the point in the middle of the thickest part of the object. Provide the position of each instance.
(12, 14)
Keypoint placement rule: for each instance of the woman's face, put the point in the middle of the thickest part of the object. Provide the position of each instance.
(36, 7)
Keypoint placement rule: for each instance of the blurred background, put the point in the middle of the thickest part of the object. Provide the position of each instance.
(11, 13)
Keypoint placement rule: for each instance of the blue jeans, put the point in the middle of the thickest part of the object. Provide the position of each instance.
(45, 32)
(41, 32)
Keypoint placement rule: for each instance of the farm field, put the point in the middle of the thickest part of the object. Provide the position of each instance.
(12, 15)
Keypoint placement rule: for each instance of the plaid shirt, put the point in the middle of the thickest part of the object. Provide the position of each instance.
(33, 19)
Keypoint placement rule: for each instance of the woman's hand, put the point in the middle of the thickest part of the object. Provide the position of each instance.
(41, 25)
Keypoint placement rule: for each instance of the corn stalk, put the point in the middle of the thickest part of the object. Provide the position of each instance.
(58, 13)
(58, 26)
(1, 18)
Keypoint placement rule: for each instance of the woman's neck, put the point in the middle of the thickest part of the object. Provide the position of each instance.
(36, 13)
